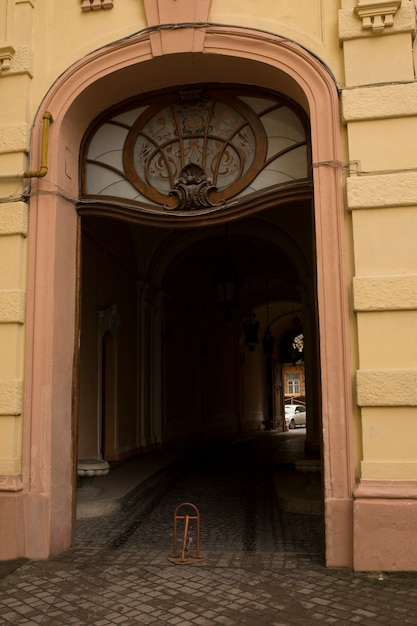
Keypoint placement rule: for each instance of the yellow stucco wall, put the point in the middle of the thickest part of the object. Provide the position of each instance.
(40, 39)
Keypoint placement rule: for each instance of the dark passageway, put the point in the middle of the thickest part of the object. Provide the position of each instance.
(234, 489)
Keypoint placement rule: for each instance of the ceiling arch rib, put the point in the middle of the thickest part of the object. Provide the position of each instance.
(196, 150)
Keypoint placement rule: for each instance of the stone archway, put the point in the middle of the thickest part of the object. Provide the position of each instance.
(74, 101)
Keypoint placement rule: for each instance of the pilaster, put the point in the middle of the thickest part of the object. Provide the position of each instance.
(380, 113)
(15, 76)
(377, 41)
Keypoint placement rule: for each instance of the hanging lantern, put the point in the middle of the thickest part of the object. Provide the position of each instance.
(268, 340)
(227, 285)
(250, 330)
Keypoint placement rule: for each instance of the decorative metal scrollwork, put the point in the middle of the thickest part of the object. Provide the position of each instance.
(194, 149)
(192, 189)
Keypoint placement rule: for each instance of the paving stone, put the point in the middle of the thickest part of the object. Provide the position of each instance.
(262, 566)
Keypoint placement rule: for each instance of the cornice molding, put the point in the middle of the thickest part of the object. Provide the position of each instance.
(370, 18)
(96, 5)
(377, 14)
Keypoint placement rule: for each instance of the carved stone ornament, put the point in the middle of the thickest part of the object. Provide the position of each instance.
(96, 5)
(192, 189)
(6, 54)
(377, 14)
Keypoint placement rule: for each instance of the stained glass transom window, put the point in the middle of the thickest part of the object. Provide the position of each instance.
(195, 149)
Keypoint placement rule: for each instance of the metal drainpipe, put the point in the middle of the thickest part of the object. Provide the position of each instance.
(43, 170)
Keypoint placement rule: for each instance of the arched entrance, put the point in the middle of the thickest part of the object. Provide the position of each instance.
(197, 158)
(184, 369)
(91, 86)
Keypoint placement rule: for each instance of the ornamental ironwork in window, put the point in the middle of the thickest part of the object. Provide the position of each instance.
(195, 149)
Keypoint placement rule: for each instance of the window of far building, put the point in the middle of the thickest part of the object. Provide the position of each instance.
(293, 383)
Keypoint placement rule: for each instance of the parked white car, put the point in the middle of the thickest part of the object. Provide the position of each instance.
(295, 415)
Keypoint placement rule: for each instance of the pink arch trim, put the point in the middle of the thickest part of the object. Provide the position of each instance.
(143, 63)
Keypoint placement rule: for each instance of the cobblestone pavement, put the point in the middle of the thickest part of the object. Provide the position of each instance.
(261, 566)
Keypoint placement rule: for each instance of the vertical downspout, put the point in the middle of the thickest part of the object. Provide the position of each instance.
(43, 170)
